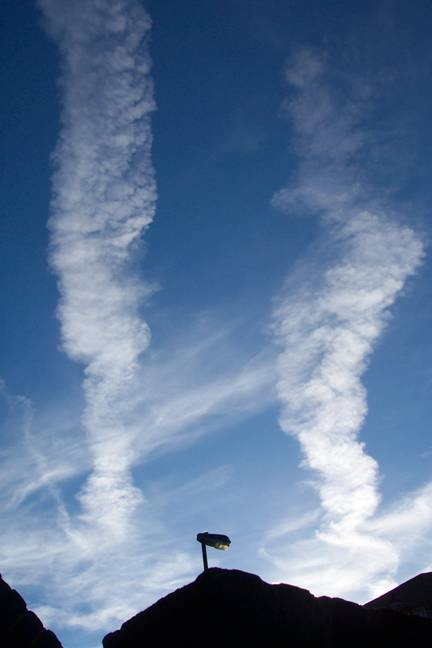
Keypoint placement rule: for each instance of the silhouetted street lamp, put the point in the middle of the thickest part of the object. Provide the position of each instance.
(216, 540)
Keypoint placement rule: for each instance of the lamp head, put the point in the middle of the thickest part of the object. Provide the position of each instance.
(215, 540)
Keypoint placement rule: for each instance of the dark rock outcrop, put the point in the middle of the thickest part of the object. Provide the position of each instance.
(234, 608)
(412, 597)
(19, 627)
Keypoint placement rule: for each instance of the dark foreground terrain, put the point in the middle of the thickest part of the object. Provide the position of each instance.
(412, 597)
(233, 608)
(19, 627)
(227, 608)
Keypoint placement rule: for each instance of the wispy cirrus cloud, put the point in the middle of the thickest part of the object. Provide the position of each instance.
(327, 322)
(92, 581)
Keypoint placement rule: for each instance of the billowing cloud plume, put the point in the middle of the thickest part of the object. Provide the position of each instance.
(330, 316)
(104, 199)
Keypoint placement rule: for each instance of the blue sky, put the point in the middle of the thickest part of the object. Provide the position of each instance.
(216, 283)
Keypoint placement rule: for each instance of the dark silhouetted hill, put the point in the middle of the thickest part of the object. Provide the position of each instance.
(233, 608)
(19, 627)
(412, 597)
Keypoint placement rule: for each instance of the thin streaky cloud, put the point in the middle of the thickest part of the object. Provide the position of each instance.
(61, 547)
(288, 527)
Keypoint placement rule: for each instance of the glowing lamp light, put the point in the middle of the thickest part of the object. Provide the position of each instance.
(215, 540)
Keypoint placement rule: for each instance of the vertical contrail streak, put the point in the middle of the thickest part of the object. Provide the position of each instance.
(327, 334)
(332, 313)
(103, 199)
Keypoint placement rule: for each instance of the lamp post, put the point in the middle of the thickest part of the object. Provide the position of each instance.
(216, 540)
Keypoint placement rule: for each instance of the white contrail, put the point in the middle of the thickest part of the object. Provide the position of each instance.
(327, 333)
(104, 198)
(332, 312)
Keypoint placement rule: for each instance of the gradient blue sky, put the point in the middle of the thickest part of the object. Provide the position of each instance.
(249, 353)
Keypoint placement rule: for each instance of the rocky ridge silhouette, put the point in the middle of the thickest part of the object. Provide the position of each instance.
(412, 597)
(20, 627)
(233, 608)
(227, 608)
